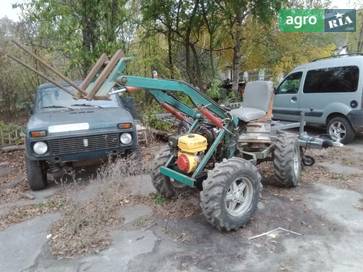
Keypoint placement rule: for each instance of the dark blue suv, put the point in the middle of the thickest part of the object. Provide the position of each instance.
(63, 130)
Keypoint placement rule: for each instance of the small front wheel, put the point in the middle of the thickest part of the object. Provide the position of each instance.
(230, 194)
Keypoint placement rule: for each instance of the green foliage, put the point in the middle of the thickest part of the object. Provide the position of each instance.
(159, 199)
(81, 30)
(17, 84)
(214, 90)
(11, 133)
(151, 119)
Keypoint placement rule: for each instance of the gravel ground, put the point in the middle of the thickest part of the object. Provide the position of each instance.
(93, 222)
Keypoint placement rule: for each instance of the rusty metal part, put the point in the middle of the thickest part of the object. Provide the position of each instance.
(105, 73)
(43, 62)
(39, 73)
(218, 122)
(131, 89)
(172, 110)
(92, 73)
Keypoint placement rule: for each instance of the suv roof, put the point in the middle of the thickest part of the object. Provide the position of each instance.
(342, 60)
(48, 85)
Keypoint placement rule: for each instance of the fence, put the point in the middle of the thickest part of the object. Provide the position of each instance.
(11, 134)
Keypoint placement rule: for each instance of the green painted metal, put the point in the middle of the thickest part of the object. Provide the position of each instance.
(163, 97)
(160, 85)
(177, 176)
(209, 153)
(116, 73)
(194, 125)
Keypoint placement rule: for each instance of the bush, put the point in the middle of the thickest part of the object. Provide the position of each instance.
(11, 133)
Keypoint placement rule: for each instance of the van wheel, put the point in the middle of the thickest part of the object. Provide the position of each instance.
(340, 130)
(36, 174)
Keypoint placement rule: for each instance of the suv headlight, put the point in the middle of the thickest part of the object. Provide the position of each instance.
(40, 148)
(125, 138)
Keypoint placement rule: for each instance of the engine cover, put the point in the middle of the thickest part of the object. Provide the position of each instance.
(192, 143)
(191, 148)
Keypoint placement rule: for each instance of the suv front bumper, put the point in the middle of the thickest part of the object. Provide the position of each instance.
(82, 147)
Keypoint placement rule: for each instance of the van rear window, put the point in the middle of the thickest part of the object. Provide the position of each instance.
(332, 80)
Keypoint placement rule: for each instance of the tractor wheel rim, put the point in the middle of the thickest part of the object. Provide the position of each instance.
(238, 197)
(337, 131)
(296, 162)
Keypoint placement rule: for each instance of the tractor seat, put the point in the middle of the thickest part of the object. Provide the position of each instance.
(256, 101)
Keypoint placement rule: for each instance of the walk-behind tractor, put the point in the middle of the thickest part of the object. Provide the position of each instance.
(221, 148)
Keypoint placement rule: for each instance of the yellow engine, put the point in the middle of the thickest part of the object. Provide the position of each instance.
(191, 148)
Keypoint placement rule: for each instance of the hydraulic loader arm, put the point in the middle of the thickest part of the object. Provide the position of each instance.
(161, 89)
(100, 84)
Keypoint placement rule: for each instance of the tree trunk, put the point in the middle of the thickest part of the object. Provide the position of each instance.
(113, 14)
(187, 59)
(89, 34)
(187, 43)
(236, 62)
(211, 56)
(170, 55)
(198, 75)
(360, 40)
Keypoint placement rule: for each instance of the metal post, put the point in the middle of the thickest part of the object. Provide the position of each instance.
(302, 123)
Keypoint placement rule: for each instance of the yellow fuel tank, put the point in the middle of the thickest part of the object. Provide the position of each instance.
(192, 143)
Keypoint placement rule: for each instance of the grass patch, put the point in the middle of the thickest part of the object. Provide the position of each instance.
(85, 225)
(159, 199)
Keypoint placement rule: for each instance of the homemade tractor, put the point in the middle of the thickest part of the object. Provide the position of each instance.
(221, 148)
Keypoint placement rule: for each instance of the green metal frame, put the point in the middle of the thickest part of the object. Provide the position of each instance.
(162, 90)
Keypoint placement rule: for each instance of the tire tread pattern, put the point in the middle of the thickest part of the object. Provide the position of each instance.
(284, 152)
(214, 187)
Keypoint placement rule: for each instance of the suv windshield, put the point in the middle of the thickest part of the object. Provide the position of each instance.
(55, 99)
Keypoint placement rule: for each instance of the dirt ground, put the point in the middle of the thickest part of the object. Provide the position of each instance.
(109, 221)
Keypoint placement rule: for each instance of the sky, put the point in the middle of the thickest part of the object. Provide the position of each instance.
(7, 10)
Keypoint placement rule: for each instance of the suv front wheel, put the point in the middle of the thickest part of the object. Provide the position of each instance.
(36, 174)
(340, 130)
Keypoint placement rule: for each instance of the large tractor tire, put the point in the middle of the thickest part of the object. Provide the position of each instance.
(163, 185)
(287, 160)
(36, 174)
(230, 194)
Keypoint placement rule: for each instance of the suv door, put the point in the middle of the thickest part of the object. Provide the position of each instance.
(286, 101)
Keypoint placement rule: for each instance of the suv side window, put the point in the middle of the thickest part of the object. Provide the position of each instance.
(332, 80)
(290, 85)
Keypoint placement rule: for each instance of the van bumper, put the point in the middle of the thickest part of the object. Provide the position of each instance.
(356, 119)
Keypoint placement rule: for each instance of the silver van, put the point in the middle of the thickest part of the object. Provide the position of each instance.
(329, 91)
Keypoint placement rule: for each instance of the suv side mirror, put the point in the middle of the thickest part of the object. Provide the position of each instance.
(29, 108)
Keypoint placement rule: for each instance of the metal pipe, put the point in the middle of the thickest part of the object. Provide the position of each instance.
(302, 123)
(70, 82)
(39, 73)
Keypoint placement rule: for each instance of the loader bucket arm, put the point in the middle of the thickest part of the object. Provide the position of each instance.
(157, 86)
(160, 89)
